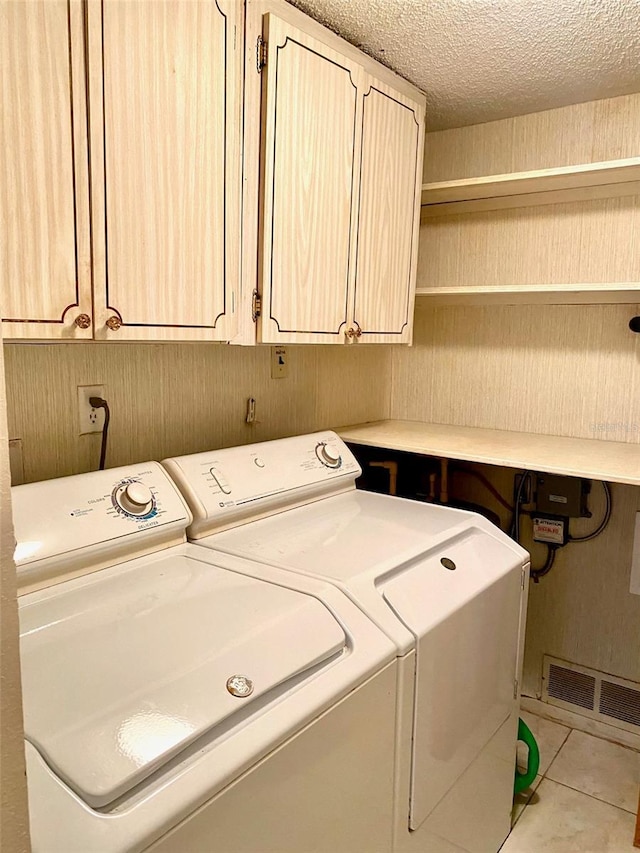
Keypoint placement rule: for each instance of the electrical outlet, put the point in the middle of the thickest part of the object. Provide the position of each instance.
(279, 363)
(89, 419)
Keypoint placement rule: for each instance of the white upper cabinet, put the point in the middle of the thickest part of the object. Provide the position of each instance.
(341, 157)
(388, 215)
(309, 174)
(45, 276)
(164, 94)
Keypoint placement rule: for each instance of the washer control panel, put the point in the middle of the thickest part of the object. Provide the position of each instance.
(99, 510)
(228, 486)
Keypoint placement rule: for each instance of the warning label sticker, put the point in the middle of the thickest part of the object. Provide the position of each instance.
(548, 530)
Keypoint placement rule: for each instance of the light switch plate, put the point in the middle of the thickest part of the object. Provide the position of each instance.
(279, 363)
(635, 559)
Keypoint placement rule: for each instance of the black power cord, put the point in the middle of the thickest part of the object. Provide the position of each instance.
(605, 521)
(514, 530)
(99, 403)
(536, 574)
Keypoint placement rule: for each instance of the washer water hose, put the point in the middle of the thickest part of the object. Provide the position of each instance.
(523, 780)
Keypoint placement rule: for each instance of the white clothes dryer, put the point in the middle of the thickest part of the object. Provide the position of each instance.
(174, 702)
(447, 586)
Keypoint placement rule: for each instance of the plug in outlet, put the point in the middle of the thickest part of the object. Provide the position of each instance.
(89, 419)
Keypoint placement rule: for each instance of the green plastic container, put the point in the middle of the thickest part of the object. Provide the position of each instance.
(523, 780)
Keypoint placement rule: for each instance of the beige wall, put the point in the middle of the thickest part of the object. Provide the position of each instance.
(171, 399)
(14, 835)
(563, 370)
(569, 370)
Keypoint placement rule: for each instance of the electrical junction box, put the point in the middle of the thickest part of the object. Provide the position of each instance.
(553, 531)
(565, 496)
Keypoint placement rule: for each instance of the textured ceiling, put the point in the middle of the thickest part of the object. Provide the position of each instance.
(480, 60)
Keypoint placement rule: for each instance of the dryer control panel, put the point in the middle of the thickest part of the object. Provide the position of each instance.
(86, 517)
(237, 484)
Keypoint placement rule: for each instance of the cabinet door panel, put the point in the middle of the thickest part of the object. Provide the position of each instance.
(309, 155)
(44, 261)
(388, 222)
(169, 72)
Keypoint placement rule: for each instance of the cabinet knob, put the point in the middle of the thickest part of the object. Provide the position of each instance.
(83, 321)
(354, 333)
(114, 323)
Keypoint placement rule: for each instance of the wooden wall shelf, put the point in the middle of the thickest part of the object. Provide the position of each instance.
(523, 189)
(549, 294)
(593, 459)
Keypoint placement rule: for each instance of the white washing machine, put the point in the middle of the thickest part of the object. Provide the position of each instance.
(174, 702)
(446, 586)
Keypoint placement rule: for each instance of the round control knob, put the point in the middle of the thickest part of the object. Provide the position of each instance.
(329, 454)
(136, 499)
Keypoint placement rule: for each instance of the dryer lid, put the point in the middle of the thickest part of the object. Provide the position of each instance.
(125, 668)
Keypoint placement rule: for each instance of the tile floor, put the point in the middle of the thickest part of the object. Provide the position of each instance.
(584, 799)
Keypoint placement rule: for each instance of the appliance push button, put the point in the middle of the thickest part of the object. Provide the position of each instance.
(218, 476)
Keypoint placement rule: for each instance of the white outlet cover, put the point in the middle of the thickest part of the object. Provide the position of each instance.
(635, 560)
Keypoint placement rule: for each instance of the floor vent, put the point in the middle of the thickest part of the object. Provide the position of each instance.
(571, 686)
(620, 702)
(591, 693)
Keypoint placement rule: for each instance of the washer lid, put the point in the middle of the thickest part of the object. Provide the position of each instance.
(343, 537)
(125, 668)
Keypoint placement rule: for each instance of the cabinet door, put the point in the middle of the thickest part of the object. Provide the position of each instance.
(389, 215)
(165, 144)
(309, 164)
(45, 277)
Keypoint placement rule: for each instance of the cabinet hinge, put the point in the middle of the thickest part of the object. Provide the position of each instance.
(256, 305)
(261, 53)
(515, 688)
(523, 577)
